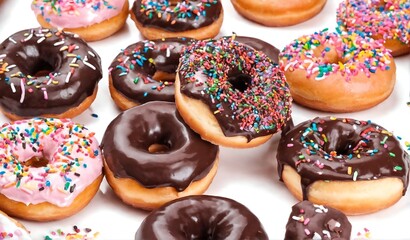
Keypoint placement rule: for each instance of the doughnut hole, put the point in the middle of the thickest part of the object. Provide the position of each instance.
(328, 53)
(239, 81)
(36, 162)
(41, 68)
(158, 148)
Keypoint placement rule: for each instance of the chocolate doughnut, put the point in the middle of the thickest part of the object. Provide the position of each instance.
(198, 19)
(201, 217)
(182, 158)
(47, 73)
(347, 152)
(145, 71)
(311, 221)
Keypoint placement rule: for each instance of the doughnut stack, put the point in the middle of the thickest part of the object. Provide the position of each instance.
(184, 94)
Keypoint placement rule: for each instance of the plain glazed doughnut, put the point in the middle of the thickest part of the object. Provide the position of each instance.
(152, 157)
(92, 19)
(338, 73)
(276, 13)
(312, 221)
(342, 163)
(201, 217)
(231, 94)
(11, 229)
(50, 169)
(380, 19)
(47, 73)
(198, 19)
(145, 71)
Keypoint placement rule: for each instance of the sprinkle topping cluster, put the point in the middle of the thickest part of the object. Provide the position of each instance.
(386, 18)
(76, 233)
(69, 152)
(324, 53)
(21, 83)
(10, 231)
(264, 104)
(183, 9)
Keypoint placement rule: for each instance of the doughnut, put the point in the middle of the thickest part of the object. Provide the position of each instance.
(47, 73)
(201, 217)
(145, 71)
(152, 157)
(93, 20)
(312, 221)
(338, 73)
(50, 168)
(11, 229)
(342, 163)
(277, 13)
(380, 19)
(198, 19)
(231, 94)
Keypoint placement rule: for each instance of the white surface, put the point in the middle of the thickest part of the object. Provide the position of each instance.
(248, 176)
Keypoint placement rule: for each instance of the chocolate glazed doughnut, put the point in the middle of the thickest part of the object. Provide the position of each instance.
(145, 71)
(47, 73)
(311, 221)
(343, 162)
(152, 157)
(201, 217)
(199, 19)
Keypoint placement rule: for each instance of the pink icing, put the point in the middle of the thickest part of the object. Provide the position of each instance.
(76, 13)
(73, 154)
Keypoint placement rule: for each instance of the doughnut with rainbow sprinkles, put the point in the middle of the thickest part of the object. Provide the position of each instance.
(231, 94)
(50, 169)
(338, 73)
(156, 19)
(380, 19)
(91, 19)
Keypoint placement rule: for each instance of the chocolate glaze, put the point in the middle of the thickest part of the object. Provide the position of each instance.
(165, 54)
(381, 155)
(127, 139)
(273, 83)
(257, 44)
(149, 18)
(201, 217)
(326, 222)
(33, 50)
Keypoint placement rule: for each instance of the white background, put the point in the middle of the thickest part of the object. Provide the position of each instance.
(248, 176)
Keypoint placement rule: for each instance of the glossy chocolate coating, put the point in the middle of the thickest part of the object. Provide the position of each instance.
(308, 221)
(127, 139)
(355, 150)
(260, 45)
(165, 55)
(30, 51)
(172, 23)
(201, 217)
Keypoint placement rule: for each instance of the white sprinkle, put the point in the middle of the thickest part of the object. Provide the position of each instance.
(316, 236)
(327, 233)
(29, 36)
(39, 35)
(41, 39)
(59, 43)
(13, 88)
(49, 81)
(168, 52)
(12, 40)
(3, 55)
(74, 60)
(91, 53)
(355, 174)
(88, 64)
(67, 79)
(23, 91)
(45, 30)
(10, 67)
(126, 59)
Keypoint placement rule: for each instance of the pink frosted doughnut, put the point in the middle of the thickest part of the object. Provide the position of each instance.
(91, 19)
(380, 19)
(50, 168)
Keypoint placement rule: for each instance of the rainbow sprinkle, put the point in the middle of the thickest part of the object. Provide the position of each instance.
(386, 18)
(76, 234)
(265, 103)
(323, 54)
